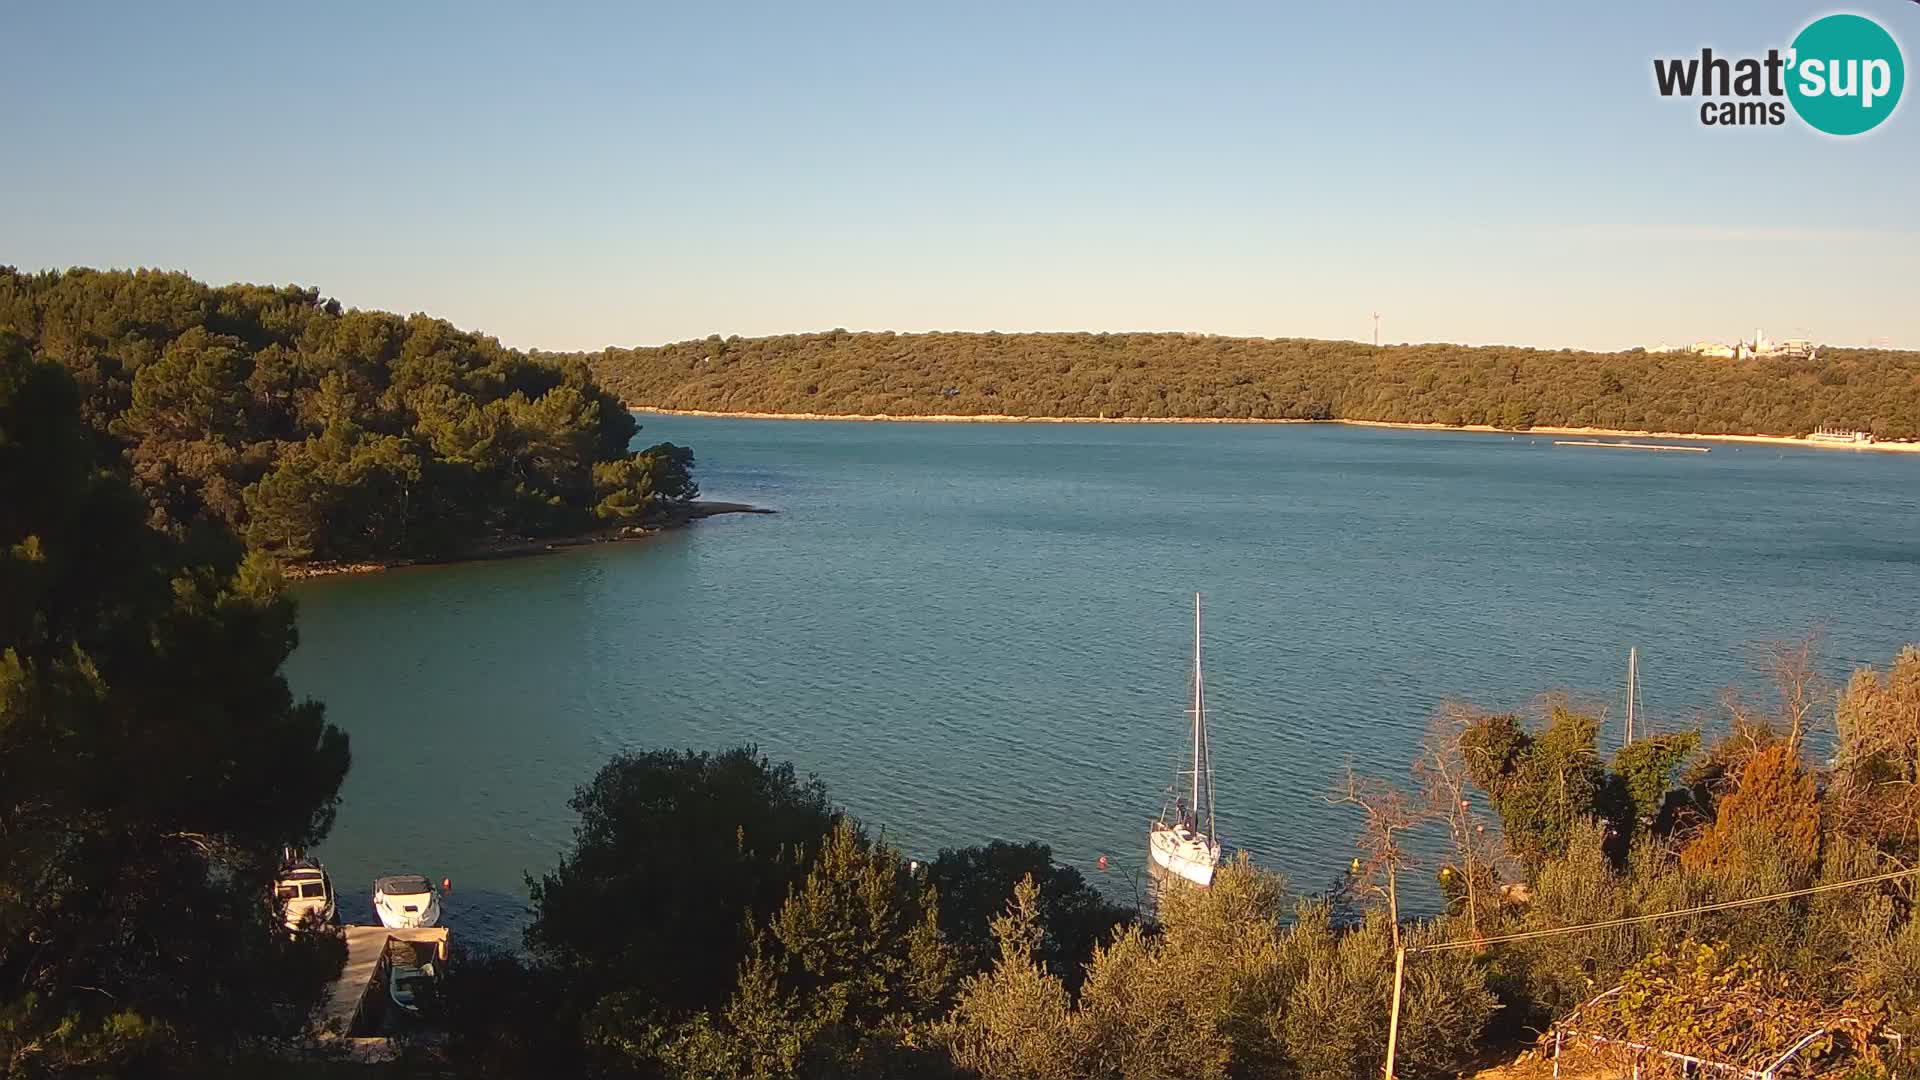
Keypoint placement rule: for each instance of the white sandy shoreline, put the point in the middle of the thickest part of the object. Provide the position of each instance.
(1000, 418)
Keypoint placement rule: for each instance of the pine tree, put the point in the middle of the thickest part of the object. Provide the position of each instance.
(153, 763)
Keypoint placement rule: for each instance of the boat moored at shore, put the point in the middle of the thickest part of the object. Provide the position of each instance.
(305, 894)
(406, 901)
(411, 981)
(1184, 841)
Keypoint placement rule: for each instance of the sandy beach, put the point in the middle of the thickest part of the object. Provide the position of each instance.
(1585, 432)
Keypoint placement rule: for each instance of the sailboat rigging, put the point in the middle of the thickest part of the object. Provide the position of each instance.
(1184, 840)
(1633, 689)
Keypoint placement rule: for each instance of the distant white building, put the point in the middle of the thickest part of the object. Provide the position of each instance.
(1843, 436)
(1760, 345)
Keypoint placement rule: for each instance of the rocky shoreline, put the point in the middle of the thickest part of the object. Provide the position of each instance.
(520, 547)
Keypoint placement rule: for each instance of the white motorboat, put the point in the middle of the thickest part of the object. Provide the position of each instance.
(305, 895)
(1183, 841)
(406, 901)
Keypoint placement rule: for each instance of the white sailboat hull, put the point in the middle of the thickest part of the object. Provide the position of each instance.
(1184, 853)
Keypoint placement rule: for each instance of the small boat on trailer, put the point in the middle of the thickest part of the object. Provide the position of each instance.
(1183, 842)
(406, 901)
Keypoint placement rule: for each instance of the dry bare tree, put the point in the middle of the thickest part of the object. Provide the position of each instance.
(1446, 784)
(1389, 813)
(1793, 669)
(1799, 690)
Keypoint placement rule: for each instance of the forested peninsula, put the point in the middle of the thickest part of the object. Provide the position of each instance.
(319, 434)
(1162, 376)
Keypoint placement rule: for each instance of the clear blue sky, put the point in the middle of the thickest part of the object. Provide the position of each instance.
(630, 174)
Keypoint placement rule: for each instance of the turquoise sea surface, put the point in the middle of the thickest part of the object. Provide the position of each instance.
(974, 631)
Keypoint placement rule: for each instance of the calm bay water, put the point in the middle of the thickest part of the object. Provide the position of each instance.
(979, 631)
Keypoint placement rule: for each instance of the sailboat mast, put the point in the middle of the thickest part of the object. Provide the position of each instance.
(1199, 708)
(1633, 677)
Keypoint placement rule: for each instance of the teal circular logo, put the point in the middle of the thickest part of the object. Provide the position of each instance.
(1846, 74)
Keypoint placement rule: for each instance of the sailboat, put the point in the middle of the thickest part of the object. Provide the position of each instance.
(1183, 841)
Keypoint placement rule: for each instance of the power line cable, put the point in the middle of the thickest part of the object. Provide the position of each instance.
(1726, 905)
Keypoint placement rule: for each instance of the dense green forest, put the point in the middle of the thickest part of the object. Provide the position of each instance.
(1191, 375)
(319, 433)
(779, 938)
(153, 764)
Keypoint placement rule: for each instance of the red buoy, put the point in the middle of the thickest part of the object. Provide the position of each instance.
(446, 884)
(1103, 862)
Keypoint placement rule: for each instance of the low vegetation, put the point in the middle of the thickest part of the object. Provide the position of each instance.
(830, 956)
(763, 933)
(1192, 375)
(316, 433)
(1756, 812)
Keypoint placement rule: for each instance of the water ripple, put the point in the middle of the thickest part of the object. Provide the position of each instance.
(982, 631)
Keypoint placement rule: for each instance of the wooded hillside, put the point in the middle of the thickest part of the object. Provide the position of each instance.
(1174, 375)
(320, 433)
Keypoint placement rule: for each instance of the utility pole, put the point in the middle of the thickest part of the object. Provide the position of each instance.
(1393, 1022)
